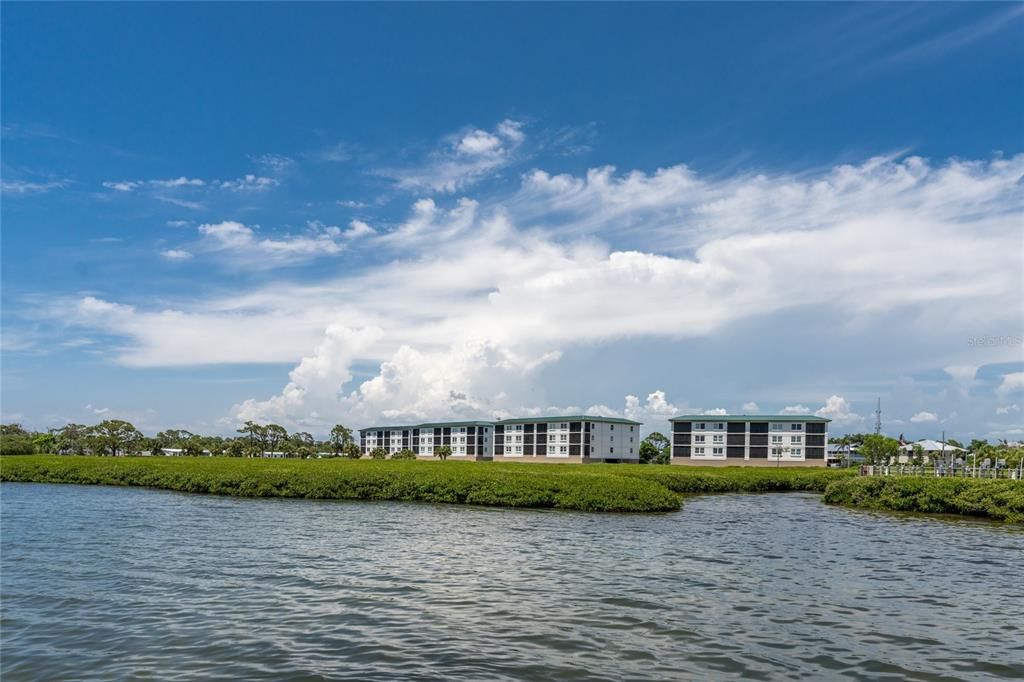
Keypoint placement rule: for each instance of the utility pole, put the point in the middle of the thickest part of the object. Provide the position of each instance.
(878, 418)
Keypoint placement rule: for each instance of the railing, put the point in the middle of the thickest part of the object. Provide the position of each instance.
(954, 471)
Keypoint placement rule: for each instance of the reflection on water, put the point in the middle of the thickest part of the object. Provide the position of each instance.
(105, 583)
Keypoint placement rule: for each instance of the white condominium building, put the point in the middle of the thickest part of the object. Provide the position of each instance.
(749, 440)
(567, 439)
(468, 440)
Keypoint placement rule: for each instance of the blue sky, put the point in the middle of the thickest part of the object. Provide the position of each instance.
(361, 213)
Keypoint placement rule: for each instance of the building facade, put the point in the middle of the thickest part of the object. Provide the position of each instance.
(567, 439)
(750, 440)
(534, 439)
(468, 440)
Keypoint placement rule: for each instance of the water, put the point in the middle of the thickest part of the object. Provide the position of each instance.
(105, 583)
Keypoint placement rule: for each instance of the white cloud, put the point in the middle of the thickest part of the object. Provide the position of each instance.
(132, 185)
(1008, 409)
(27, 187)
(176, 254)
(1012, 382)
(924, 418)
(240, 244)
(494, 278)
(275, 163)
(351, 203)
(796, 409)
(357, 229)
(178, 223)
(751, 408)
(839, 410)
(249, 183)
(464, 159)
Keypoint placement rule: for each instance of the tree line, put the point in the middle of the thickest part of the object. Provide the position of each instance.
(116, 437)
(879, 449)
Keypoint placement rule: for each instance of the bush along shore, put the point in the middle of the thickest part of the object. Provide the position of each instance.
(611, 488)
(1002, 500)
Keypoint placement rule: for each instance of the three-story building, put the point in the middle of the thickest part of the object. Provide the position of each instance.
(749, 440)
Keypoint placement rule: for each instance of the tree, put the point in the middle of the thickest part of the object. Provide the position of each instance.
(236, 447)
(15, 440)
(404, 454)
(274, 436)
(955, 443)
(378, 453)
(72, 439)
(648, 452)
(193, 447)
(655, 448)
(352, 451)
(256, 437)
(443, 452)
(977, 444)
(878, 449)
(302, 444)
(340, 437)
(114, 437)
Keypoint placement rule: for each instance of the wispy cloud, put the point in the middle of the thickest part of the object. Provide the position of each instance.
(176, 254)
(464, 158)
(23, 187)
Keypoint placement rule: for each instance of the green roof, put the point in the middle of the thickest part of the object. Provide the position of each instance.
(520, 420)
(575, 418)
(429, 425)
(749, 418)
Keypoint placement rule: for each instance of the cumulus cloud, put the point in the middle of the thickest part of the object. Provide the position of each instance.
(1011, 383)
(465, 158)
(521, 279)
(924, 418)
(1008, 409)
(796, 409)
(839, 410)
(751, 408)
(357, 229)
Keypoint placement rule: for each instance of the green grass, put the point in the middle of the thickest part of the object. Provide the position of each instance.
(613, 488)
(1002, 500)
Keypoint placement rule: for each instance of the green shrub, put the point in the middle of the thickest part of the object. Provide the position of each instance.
(510, 485)
(378, 453)
(404, 454)
(1002, 500)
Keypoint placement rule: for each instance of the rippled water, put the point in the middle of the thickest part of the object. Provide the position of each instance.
(109, 583)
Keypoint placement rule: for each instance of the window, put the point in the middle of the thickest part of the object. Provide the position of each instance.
(796, 440)
(700, 426)
(717, 439)
(719, 426)
(717, 451)
(612, 439)
(776, 426)
(611, 450)
(518, 439)
(796, 427)
(563, 427)
(698, 451)
(613, 427)
(777, 452)
(631, 451)
(776, 440)
(517, 427)
(564, 438)
(630, 430)
(698, 439)
(518, 449)
(563, 449)
(796, 452)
